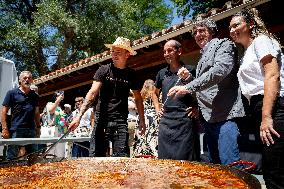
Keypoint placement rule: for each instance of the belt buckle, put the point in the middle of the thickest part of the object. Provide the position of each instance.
(131, 120)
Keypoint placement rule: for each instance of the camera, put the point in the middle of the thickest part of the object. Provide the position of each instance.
(60, 93)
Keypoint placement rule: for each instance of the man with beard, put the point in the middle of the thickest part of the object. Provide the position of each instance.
(177, 138)
(25, 117)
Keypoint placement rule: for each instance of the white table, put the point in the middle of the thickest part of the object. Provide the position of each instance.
(66, 143)
(25, 141)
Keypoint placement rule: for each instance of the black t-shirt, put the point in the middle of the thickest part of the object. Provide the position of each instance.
(22, 108)
(165, 80)
(114, 92)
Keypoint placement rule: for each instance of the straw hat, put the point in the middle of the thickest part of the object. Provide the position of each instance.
(123, 43)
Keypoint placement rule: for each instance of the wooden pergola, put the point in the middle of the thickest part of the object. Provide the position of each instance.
(76, 79)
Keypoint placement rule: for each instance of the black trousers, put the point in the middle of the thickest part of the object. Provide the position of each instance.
(115, 131)
(273, 155)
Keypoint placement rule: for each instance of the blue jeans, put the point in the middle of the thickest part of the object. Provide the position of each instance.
(222, 140)
(13, 150)
(80, 151)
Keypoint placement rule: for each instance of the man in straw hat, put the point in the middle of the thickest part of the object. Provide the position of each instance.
(112, 82)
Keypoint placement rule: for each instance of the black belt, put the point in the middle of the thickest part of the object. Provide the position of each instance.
(256, 98)
(131, 120)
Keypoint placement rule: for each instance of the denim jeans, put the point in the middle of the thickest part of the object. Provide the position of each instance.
(115, 131)
(13, 150)
(222, 140)
(79, 150)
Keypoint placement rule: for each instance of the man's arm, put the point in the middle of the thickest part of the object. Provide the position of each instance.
(37, 121)
(37, 117)
(140, 109)
(160, 108)
(89, 99)
(5, 131)
(52, 106)
(157, 92)
(224, 61)
(185, 75)
(156, 102)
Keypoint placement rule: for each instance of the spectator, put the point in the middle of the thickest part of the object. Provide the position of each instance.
(22, 150)
(148, 144)
(67, 111)
(261, 78)
(54, 122)
(112, 82)
(132, 121)
(217, 90)
(132, 109)
(25, 122)
(81, 149)
(54, 116)
(177, 137)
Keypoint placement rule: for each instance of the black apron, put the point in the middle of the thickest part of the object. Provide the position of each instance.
(176, 135)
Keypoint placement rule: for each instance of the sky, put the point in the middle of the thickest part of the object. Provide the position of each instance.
(176, 19)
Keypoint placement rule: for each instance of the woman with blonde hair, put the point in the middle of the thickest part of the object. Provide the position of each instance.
(261, 78)
(148, 144)
(148, 92)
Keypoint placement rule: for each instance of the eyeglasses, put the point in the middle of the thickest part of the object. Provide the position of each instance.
(78, 101)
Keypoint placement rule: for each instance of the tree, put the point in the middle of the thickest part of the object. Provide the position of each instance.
(44, 35)
(190, 8)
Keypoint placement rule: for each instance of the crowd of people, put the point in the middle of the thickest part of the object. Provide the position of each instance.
(163, 119)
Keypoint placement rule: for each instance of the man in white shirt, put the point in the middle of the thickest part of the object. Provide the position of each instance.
(81, 149)
(132, 121)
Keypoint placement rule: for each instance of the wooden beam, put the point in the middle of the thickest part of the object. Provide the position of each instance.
(67, 88)
(277, 28)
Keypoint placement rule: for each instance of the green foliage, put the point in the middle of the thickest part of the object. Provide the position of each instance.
(43, 35)
(190, 8)
(147, 15)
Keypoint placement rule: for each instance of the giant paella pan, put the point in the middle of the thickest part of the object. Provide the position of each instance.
(123, 173)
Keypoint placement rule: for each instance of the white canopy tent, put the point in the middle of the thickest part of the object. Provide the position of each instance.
(8, 77)
(8, 80)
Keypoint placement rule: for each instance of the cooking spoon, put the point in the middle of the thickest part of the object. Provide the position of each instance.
(36, 158)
